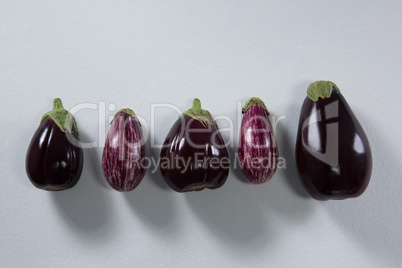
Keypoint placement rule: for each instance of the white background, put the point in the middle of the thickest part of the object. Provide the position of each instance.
(135, 53)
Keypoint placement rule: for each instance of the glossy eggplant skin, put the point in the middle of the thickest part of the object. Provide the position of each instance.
(332, 150)
(201, 172)
(123, 154)
(258, 150)
(53, 162)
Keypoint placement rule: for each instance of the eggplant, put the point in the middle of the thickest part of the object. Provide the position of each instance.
(54, 161)
(194, 155)
(333, 153)
(258, 150)
(124, 158)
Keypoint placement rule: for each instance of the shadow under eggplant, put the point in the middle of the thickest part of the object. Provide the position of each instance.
(232, 216)
(155, 206)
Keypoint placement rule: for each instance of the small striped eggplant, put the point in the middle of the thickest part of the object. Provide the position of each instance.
(333, 153)
(194, 155)
(124, 155)
(257, 151)
(54, 159)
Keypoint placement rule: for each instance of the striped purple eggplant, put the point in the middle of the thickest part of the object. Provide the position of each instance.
(124, 156)
(257, 151)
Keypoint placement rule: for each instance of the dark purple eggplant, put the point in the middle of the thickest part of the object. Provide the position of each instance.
(332, 151)
(54, 160)
(258, 150)
(124, 160)
(194, 155)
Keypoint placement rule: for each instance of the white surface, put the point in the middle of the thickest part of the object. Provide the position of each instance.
(134, 53)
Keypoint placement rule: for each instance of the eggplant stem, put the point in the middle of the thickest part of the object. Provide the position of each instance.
(203, 116)
(253, 101)
(63, 118)
(196, 105)
(57, 104)
(321, 89)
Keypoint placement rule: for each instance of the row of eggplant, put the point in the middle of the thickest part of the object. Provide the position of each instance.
(333, 154)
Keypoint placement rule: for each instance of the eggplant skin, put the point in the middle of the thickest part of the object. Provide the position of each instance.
(124, 153)
(53, 163)
(200, 173)
(258, 150)
(344, 163)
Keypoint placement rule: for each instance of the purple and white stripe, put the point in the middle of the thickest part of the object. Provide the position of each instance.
(124, 153)
(257, 151)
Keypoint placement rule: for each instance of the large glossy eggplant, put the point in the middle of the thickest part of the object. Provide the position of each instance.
(258, 150)
(333, 154)
(194, 155)
(124, 160)
(54, 159)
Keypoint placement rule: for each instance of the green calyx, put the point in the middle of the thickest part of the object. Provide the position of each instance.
(199, 114)
(320, 89)
(127, 111)
(253, 101)
(63, 118)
